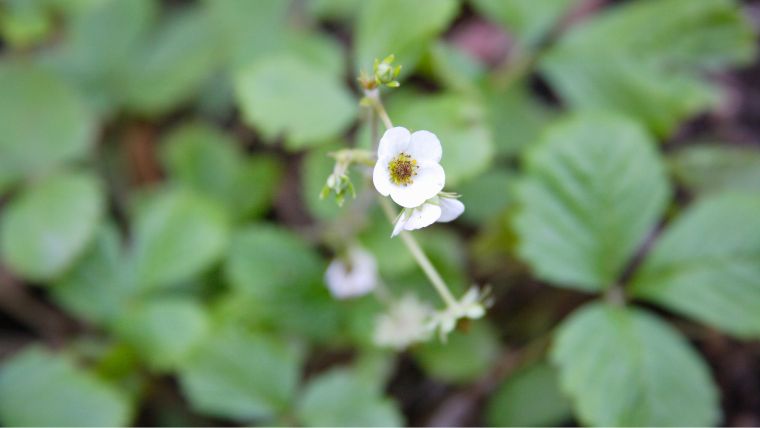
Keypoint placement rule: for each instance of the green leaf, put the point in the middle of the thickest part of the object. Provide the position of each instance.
(99, 285)
(463, 358)
(706, 265)
(275, 272)
(164, 330)
(43, 122)
(248, 29)
(460, 124)
(709, 168)
(527, 20)
(487, 196)
(38, 388)
(530, 397)
(177, 235)
(172, 64)
(515, 117)
(213, 164)
(341, 398)
(99, 47)
(626, 367)
(50, 224)
(24, 22)
(399, 27)
(286, 96)
(644, 59)
(594, 187)
(241, 376)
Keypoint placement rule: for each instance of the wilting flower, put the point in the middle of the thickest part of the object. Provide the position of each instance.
(353, 276)
(408, 167)
(407, 322)
(442, 209)
(472, 306)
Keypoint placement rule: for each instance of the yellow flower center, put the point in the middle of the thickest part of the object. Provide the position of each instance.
(402, 168)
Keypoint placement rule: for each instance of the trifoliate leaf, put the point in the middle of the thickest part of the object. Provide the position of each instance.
(626, 367)
(644, 58)
(705, 265)
(594, 187)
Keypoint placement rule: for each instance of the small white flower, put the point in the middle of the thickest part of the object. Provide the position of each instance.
(472, 306)
(440, 209)
(408, 166)
(406, 323)
(353, 277)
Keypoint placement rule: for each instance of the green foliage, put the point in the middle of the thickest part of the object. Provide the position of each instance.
(164, 330)
(274, 90)
(274, 272)
(463, 358)
(99, 285)
(645, 58)
(712, 168)
(50, 224)
(38, 388)
(212, 164)
(241, 375)
(177, 236)
(625, 367)
(594, 187)
(43, 122)
(341, 398)
(705, 265)
(528, 20)
(144, 143)
(401, 28)
(530, 397)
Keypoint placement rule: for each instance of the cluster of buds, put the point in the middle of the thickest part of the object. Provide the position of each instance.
(338, 182)
(383, 73)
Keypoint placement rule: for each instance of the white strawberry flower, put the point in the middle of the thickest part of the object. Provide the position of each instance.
(442, 209)
(406, 323)
(408, 167)
(353, 276)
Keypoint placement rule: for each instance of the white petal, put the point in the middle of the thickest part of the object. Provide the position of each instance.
(358, 281)
(381, 177)
(450, 209)
(423, 216)
(400, 222)
(393, 142)
(429, 180)
(425, 146)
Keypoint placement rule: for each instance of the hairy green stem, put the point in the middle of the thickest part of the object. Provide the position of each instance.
(409, 241)
(420, 257)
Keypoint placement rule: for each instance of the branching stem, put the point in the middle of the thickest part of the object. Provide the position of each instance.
(409, 241)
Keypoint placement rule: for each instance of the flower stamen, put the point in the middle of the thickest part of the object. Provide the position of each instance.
(403, 168)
